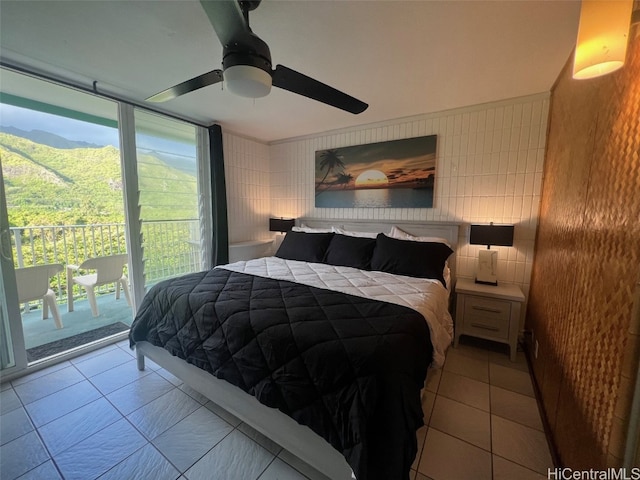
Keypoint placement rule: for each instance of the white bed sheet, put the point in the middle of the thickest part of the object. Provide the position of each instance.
(426, 296)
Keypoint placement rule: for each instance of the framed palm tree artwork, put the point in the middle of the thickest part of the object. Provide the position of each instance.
(393, 174)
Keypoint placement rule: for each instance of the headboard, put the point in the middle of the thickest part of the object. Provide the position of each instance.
(446, 230)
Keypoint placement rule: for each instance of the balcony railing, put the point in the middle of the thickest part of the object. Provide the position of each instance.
(170, 248)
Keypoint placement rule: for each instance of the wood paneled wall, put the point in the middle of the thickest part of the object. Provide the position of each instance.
(587, 263)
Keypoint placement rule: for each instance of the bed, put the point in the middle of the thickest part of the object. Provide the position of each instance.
(323, 348)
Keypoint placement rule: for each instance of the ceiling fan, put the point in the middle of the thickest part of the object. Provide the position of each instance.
(246, 63)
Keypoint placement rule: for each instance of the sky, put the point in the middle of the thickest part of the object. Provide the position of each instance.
(77, 130)
(68, 128)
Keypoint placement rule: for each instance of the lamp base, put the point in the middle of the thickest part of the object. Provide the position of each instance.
(487, 267)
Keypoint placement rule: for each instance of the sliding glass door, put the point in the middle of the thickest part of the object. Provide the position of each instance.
(63, 189)
(71, 165)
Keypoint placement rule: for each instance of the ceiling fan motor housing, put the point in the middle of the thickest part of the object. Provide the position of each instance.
(247, 66)
(246, 63)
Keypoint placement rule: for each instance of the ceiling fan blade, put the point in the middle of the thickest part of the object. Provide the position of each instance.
(296, 82)
(204, 80)
(226, 18)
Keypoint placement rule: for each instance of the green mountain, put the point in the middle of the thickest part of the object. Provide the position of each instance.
(47, 185)
(47, 138)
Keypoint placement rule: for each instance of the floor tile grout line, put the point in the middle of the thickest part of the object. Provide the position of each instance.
(91, 355)
(267, 467)
(85, 378)
(52, 457)
(121, 386)
(50, 393)
(518, 464)
(24, 378)
(80, 441)
(201, 456)
(516, 421)
(126, 458)
(147, 440)
(428, 420)
(460, 439)
(150, 441)
(144, 404)
(122, 417)
(490, 425)
(46, 447)
(522, 425)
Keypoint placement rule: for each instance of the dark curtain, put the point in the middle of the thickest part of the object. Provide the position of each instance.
(218, 198)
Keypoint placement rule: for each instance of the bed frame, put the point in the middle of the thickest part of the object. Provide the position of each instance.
(297, 439)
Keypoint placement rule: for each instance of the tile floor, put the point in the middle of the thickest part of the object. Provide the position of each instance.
(97, 416)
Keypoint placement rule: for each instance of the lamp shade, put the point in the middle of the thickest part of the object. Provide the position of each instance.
(602, 37)
(281, 224)
(501, 235)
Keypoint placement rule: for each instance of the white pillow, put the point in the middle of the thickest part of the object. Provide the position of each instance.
(402, 235)
(305, 229)
(349, 233)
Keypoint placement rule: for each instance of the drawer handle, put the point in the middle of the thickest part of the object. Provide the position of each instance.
(486, 309)
(485, 327)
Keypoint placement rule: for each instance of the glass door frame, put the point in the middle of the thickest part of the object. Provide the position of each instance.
(13, 345)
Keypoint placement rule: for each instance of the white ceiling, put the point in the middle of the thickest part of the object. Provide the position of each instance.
(402, 57)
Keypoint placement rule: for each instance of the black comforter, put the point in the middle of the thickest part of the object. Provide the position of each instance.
(350, 368)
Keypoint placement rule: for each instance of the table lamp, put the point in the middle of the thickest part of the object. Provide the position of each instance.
(500, 235)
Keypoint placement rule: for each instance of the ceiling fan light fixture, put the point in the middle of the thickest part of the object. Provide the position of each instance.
(247, 81)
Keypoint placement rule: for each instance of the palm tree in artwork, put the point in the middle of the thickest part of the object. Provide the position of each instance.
(343, 179)
(329, 161)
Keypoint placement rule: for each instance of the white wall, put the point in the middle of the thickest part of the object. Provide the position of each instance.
(247, 181)
(489, 168)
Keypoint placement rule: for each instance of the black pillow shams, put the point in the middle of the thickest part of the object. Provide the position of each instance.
(305, 247)
(414, 259)
(346, 251)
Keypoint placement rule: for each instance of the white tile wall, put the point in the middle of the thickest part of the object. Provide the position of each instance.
(490, 160)
(490, 163)
(248, 190)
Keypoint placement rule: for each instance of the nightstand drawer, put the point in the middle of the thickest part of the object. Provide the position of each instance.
(486, 317)
(486, 327)
(486, 308)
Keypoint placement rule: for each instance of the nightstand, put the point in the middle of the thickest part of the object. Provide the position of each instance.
(489, 312)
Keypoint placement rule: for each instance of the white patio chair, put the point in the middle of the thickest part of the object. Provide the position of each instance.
(33, 284)
(109, 269)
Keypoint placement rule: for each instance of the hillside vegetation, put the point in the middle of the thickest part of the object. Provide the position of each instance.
(69, 186)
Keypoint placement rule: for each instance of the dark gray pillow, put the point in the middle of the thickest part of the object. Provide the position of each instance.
(349, 251)
(414, 259)
(305, 247)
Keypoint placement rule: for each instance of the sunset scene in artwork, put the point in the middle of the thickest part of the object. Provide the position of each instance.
(371, 178)
(407, 164)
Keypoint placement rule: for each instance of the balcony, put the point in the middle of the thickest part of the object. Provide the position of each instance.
(170, 248)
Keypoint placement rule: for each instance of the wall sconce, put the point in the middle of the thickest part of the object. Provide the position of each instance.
(281, 225)
(602, 37)
(501, 235)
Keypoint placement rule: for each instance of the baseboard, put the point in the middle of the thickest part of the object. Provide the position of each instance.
(527, 348)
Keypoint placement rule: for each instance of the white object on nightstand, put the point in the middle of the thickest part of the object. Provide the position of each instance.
(489, 312)
(250, 249)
